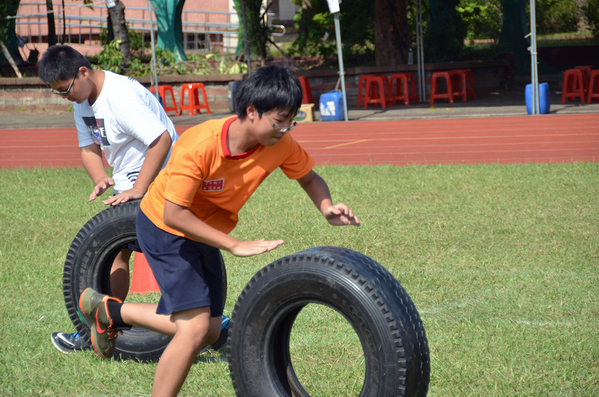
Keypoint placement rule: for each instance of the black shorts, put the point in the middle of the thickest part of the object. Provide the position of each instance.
(188, 272)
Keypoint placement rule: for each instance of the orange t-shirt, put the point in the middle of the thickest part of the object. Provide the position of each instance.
(204, 177)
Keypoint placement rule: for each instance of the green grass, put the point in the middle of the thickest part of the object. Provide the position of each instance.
(500, 260)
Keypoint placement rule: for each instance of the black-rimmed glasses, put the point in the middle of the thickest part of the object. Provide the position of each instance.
(281, 130)
(67, 92)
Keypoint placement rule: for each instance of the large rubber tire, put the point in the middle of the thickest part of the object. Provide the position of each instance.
(88, 264)
(393, 340)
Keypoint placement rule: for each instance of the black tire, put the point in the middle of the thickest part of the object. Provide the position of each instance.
(392, 336)
(88, 264)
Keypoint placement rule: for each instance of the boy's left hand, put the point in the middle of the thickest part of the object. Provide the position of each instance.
(131, 194)
(341, 215)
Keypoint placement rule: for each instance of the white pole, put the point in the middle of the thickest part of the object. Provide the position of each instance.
(534, 54)
(420, 54)
(246, 46)
(533, 60)
(154, 73)
(341, 70)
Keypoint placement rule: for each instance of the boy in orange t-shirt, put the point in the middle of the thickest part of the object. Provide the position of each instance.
(191, 207)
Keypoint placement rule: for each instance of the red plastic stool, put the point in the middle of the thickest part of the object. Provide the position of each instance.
(162, 90)
(307, 92)
(375, 94)
(362, 87)
(142, 280)
(402, 83)
(593, 86)
(586, 73)
(194, 98)
(434, 87)
(574, 85)
(461, 79)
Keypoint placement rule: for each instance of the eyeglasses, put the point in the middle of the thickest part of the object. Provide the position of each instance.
(67, 92)
(281, 130)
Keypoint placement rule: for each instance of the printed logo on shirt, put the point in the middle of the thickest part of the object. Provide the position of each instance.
(96, 129)
(132, 176)
(215, 185)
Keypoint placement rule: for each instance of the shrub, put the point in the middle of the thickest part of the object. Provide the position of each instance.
(483, 18)
(591, 12)
(556, 16)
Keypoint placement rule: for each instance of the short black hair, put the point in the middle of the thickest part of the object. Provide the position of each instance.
(268, 88)
(61, 62)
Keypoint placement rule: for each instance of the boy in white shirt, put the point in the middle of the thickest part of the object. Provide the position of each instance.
(116, 115)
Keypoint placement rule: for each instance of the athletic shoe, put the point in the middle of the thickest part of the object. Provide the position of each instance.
(93, 306)
(222, 339)
(69, 343)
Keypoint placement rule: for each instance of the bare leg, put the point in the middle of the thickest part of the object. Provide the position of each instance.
(144, 315)
(119, 275)
(192, 329)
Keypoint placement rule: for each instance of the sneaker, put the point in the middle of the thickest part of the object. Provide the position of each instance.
(69, 343)
(222, 339)
(93, 306)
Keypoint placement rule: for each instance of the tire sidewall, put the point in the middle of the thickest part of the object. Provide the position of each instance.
(348, 285)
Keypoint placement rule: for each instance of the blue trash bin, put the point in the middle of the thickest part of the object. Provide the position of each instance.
(544, 101)
(331, 106)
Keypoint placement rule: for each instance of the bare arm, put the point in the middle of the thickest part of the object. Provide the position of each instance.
(91, 157)
(182, 219)
(317, 189)
(155, 156)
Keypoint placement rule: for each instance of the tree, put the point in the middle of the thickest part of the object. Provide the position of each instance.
(317, 33)
(445, 32)
(8, 42)
(119, 26)
(51, 24)
(257, 29)
(392, 38)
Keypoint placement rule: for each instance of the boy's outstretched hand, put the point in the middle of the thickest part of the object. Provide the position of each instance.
(101, 187)
(249, 248)
(131, 194)
(341, 215)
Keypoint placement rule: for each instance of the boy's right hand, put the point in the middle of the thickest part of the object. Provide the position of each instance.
(101, 187)
(250, 248)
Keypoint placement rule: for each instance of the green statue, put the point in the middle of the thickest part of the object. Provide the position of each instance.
(170, 28)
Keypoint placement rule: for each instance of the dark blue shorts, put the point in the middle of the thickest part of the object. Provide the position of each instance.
(188, 273)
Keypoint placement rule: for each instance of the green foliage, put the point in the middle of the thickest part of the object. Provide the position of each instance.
(591, 12)
(483, 18)
(317, 31)
(319, 36)
(446, 31)
(256, 25)
(110, 58)
(556, 16)
(8, 8)
(136, 40)
(167, 63)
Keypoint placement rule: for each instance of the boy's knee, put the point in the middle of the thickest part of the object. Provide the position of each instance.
(213, 335)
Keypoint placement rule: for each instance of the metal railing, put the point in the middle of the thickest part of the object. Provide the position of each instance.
(202, 30)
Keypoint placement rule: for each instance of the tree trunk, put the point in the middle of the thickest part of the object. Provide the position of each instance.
(117, 16)
(391, 32)
(51, 24)
(109, 29)
(257, 29)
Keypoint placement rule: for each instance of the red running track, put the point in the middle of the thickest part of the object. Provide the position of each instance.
(525, 139)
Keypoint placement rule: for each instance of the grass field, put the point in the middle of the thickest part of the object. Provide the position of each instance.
(500, 260)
